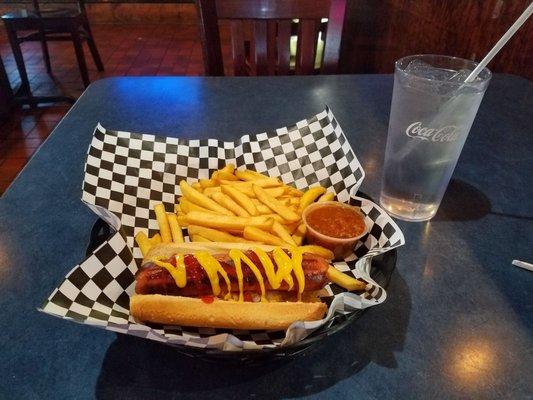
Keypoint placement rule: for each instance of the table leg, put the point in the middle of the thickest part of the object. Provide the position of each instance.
(78, 48)
(19, 60)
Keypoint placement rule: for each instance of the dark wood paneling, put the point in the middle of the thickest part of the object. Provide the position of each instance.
(272, 9)
(376, 33)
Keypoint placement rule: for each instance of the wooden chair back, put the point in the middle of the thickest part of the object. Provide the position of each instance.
(266, 51)
(80, 5)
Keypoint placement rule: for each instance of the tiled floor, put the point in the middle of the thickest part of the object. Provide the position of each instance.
(130, 50)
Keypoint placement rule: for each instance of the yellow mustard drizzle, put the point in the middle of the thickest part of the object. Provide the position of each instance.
(286, 266)
(268, 266)
(237, 256)
(297, 258)
(177, 272)
(234, 255)
(212, 267)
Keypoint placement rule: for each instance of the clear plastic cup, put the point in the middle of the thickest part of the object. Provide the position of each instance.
(431, 114)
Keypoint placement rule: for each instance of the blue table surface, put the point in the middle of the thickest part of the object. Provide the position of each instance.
(458, 321)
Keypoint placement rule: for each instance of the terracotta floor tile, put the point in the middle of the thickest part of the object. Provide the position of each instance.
(11, 167)
(126, 50)
(4, 184)
(30, 143)
(53, 114)
(20, 152)
(42, 130)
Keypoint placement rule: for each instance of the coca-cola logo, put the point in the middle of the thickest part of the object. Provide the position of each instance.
(448, 133)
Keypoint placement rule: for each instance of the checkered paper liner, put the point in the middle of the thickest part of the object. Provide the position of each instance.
(126, 174)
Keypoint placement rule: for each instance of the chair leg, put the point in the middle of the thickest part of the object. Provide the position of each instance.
(19, 60)
(46, 54)
(78, 48)
(92, 45)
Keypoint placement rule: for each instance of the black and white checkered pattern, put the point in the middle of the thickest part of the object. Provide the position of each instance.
(126, 174)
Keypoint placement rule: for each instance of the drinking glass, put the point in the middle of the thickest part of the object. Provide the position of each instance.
(431, 114)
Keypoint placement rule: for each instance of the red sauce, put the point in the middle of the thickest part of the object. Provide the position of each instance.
(207, 299)
(336, 221)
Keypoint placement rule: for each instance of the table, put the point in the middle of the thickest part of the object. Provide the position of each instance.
(458, 320)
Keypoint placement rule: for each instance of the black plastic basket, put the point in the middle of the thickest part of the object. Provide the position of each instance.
(381, 270)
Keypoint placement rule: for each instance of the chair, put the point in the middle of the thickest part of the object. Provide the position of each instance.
(45, 26)
(261, 33)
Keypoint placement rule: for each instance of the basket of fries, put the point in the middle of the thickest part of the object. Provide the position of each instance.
(209, 248)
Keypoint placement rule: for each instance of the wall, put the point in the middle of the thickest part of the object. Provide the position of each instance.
(376, 33)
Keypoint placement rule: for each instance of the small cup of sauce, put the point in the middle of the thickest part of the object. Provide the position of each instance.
(335, 226)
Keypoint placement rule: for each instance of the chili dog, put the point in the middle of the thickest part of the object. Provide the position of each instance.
(233, 285)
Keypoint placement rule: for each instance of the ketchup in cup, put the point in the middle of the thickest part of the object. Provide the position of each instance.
(335, 226)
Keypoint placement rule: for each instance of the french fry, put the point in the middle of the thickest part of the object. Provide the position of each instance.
(240, 198)
(197, 186)
(248, 175)
(274, 192)
(201, 199)
(293, 191)
(188, 206)
(343, 280)
(272, 203)
(245, 176)
(262, 209)
(214, 235)
(143, 242)
(291, 228)
(259, 235)
(310, 196)
(264, 183)
(227, 222)
(156, 239)
(280, 231)
(290, 200)
(162, 221)
(299, 235)
(258, 174)
(275, 217)
(318, 250)
(247, 190)
(210, 190)
(227, 202)
(175, 229)
(328, 196)
(295, 201)
(177, 208)
(205, 183)
(224, 176)
(298, 239)
(198, 238)
(229, 168)
(182, 220)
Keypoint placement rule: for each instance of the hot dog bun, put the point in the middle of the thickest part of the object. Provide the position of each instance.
(189, 311)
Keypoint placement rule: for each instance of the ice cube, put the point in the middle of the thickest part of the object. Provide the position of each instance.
(422, 69)
(461, 75)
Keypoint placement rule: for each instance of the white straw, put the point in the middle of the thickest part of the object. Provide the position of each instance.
(497, 47)
(523, 264)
